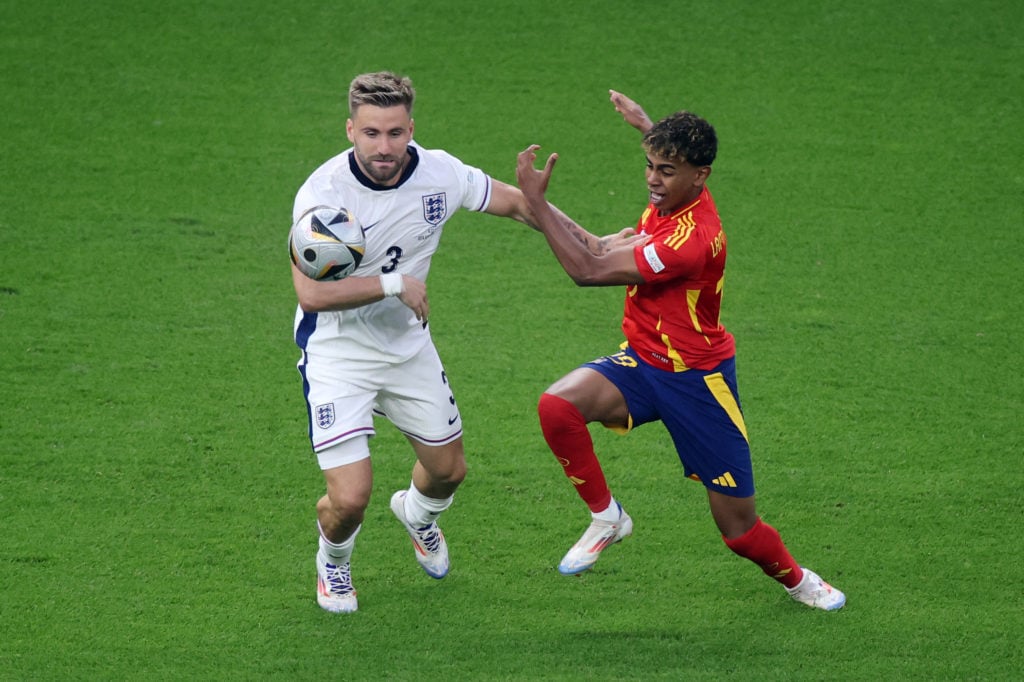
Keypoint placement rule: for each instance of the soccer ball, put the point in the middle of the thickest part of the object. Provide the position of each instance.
(326, 243)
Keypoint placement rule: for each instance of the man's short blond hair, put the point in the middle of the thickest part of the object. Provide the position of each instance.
(381, 89)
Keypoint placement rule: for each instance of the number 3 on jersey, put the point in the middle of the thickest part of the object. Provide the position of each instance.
(395, 253)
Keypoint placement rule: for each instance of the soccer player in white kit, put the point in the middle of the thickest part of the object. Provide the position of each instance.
(365, 340)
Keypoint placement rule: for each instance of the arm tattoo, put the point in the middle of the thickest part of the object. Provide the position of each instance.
(589, 242)
(577, 232)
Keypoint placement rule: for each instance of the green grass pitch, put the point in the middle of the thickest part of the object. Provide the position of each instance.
(156, 489)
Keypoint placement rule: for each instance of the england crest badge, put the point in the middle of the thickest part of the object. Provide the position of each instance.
(435, 208)
(325, 415)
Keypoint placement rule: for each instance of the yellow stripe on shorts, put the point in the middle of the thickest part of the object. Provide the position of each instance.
(720, 389)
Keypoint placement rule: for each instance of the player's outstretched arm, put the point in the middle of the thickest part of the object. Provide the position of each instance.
(354, 292)
(598, 246)
(632, 112)
(509, 202)
(615, 266)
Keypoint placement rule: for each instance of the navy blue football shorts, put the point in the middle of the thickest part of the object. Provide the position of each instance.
(700, 409)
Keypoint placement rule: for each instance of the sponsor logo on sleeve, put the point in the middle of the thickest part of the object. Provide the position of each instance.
(651, 256)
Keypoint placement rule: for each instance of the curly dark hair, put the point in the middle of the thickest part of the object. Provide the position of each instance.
(683, 135)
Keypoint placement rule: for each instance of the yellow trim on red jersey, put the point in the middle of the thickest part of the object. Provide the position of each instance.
(671, 353)
(684, 228)
(670, 314)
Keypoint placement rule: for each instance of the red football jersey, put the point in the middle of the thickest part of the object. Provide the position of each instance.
(671, 320)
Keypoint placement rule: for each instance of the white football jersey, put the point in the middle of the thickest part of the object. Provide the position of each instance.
(403, 226)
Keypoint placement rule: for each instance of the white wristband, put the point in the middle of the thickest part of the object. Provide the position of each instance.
(392, 284)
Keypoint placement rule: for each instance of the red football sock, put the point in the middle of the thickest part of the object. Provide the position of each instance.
(566, 432)
(762, 545)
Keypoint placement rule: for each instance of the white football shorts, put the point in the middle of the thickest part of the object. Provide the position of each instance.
(342, 397)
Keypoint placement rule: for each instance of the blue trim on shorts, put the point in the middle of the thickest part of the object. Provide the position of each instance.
(307, 325)
(709, 443)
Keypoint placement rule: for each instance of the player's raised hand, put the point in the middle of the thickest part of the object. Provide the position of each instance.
(632, 112)
(533, 182)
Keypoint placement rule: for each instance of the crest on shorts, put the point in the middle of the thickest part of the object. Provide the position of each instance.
(435, 208)
(325, 415)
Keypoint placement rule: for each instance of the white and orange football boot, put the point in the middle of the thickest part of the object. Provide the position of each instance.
(599, 535)
(428, 541)
(815, 592)
(334, 591)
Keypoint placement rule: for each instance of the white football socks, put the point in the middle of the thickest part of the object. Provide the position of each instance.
(340, 553)
(612, 513)
(421, 510)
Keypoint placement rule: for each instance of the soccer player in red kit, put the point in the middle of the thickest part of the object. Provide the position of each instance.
(678, 362)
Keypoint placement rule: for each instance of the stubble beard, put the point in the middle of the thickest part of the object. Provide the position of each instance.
(381, 177)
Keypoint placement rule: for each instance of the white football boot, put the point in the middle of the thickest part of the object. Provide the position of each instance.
(600, 534)
(334, 591)
(428, 541)
(814, 591)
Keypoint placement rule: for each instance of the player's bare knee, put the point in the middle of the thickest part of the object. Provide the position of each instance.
(349, 478)
(450, 472)
(457, 474)
(347, 503)
(734, 516)
(443, 465)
